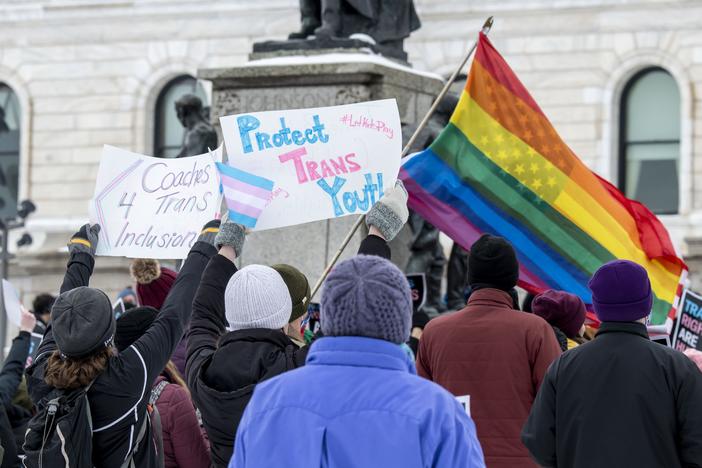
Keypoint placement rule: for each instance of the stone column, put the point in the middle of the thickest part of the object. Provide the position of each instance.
(295, 82)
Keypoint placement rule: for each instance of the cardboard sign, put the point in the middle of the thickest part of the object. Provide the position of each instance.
(152, 207)
(418, 288)
(296, 166)
(11, 303)
(689, 322)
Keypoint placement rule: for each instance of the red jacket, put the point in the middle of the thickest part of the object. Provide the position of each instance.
(184, 444)
(499, 357)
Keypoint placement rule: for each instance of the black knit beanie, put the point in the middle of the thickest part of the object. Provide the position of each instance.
(493, 262)
(82, 322)
(132, 324)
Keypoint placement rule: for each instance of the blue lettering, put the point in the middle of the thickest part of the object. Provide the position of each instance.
(247, 123)
(262, 141)
(319, 128)
(298, 138)
(332, 191)
(350, 201)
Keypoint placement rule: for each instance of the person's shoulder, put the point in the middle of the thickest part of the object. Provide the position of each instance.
(443, 321)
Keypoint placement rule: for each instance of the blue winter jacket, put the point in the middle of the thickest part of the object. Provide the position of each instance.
(357, 403)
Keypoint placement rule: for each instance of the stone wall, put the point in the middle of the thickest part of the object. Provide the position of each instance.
(88, 72)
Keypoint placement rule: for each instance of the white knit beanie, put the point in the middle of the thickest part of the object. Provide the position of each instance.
(257, 297)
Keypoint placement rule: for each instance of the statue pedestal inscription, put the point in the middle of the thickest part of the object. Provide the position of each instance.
(293, 82)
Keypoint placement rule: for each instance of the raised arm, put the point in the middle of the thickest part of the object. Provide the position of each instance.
(81, 248)
(384, 220)
(208, 322)
(81, 261)
(13, 367)
(157, 344)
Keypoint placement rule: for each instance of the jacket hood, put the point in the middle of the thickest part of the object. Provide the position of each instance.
(359, 351)
(247, 357)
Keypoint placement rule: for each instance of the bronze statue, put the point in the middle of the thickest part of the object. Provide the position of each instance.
(388, 22)
(200, 136)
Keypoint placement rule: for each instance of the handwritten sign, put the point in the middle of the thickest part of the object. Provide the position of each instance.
(151, 207)
(296, 166)
(11, 303)
(689, 322)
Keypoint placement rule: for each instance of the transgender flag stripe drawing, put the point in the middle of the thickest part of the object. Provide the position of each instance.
(246, 194)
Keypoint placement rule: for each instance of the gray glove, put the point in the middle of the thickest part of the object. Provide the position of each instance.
(231, 234)
(390, 213)
(85, 240)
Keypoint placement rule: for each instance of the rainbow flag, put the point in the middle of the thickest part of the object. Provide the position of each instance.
(499, 167)
(246, 194)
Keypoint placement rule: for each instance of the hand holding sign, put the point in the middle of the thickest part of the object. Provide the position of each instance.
(296, 166)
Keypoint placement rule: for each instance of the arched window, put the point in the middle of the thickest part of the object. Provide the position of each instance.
(10, 121)
(650, 140)
(168, 137)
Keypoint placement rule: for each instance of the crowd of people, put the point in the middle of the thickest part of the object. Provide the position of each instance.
(212, 366)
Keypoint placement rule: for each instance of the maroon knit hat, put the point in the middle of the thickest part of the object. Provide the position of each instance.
(560, 309)
(153, 282)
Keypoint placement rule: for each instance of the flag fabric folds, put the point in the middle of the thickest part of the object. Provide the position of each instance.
(499, 167)
(246, 194)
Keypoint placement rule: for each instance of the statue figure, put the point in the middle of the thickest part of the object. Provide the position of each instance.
(200, 136)
(387, 22)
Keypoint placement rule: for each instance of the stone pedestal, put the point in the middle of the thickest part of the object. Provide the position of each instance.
(292, 82)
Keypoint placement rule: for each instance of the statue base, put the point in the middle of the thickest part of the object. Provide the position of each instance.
(306, 81)
(323, 45)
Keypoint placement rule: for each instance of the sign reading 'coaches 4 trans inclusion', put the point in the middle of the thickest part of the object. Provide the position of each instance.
(152, 207)
(295, 166)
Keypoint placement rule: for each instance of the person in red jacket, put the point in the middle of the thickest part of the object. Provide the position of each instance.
(184, 441)
(496, 355)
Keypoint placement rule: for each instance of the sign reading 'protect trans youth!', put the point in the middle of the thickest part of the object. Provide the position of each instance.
(296, 166)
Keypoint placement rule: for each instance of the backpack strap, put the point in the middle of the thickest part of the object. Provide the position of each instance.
(156, 392)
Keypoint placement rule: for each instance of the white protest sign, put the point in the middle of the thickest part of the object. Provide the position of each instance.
(296, 166)
(152, 207)
(464, 401)
(11, 301)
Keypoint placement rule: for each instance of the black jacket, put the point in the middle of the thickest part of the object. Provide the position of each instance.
(119, 395)
(224, 368)
(10, 377)
(618, 401)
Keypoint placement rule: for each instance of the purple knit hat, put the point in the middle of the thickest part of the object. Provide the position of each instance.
(560, 309)
(621, 292)
(367, 296)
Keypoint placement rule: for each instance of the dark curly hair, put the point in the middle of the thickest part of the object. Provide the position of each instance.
(71, 373)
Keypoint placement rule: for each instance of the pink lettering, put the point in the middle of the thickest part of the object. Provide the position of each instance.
(296, 155)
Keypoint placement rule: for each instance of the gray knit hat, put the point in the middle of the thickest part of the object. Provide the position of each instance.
(82, 322)
(257, 297)
(367, 296)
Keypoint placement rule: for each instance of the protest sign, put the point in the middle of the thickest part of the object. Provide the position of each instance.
(418, 289)
(689, 322)
(296, 166)
(152, 207)
(11, 303)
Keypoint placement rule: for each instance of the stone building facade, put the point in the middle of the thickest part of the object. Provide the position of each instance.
(90, 72)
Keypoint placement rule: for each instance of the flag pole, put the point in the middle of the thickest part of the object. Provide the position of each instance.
(485, 29)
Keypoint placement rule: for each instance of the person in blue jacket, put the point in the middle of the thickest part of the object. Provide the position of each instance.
(358, 401)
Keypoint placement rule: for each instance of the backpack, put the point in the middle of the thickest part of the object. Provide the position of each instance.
(61, 433)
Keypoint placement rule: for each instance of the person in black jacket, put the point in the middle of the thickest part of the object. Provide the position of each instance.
(223, 367)
(621, 399)
(78, 349)
(10, 377)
